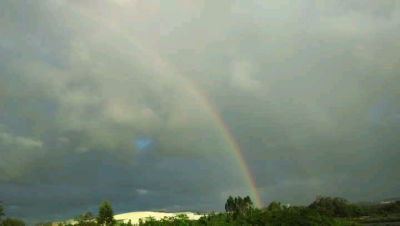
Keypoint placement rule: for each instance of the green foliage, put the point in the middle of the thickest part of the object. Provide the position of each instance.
(45, 224)
(355, 211)
(323, 205)
(84, 217)
(12, 222)
(180, 220)
(276, 215)
(391, 207)
(335, 207)
(87, 223)
(239, 207)
(324, 211)
(1, 211)
(106, 214)
(125, 224)
(376, 209)
(274, 206)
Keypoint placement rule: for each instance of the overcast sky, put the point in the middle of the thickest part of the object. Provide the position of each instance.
(97, 101)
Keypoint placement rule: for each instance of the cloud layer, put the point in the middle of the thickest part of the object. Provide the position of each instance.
(309, 89)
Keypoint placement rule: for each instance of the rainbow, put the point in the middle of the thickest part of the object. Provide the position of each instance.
(223, 127)
(162, 66)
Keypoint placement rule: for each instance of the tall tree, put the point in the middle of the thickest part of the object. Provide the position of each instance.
(238, 207)
(106, 214)
(229, 204)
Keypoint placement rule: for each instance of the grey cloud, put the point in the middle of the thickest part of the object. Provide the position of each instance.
(23, 142)
(309, 92)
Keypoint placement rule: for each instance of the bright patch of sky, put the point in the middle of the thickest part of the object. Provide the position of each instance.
(378, 111)
(142, 191)
(381, 115)
(142, 144)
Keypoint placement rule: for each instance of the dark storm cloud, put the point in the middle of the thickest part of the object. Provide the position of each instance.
(308, 89)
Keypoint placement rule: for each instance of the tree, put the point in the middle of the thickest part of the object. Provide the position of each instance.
(78, 217)
(12, 222)
(1, 211)
(355, 211)
(334, 207)
(85, 217)
(274, 206)
(391, 207)
(229, 205)
(88, 216)
(106, 214)
(238, 206)
(340, 206)
(323, 205)
(126, 224)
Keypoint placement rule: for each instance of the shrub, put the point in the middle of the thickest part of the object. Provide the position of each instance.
(12, 222)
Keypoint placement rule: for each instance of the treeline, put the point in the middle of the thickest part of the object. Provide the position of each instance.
(241, 212)
(324, 211)
(374, 209)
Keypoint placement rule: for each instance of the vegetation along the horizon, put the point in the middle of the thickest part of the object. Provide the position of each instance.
(325, 211)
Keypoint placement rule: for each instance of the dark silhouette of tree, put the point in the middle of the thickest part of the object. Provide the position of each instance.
(88, 216)
(106, 214)
(391, 207)
(85, 217)
(12, 222)
(1, 211)
(335, 207)
(323, 205)
(229, 205)
(274, 206)
(239, 207)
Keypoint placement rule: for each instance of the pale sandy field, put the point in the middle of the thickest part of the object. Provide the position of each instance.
(135, 216)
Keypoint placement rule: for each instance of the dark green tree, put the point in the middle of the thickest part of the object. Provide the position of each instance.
(239, 207)
(323, 205)
(84, 217)
(106, 214)
(274, 206)
(12, 222)
(391, 207)
(335, 207)
(1, 211)
(340, 207)
(78, 217)
(88, 216)
(229, 204)
(355, 211)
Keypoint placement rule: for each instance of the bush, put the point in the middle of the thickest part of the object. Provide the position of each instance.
(12, 222)
(1, 211)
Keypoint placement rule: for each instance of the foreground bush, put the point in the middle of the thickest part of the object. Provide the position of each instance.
(12, 222)
(278, 217)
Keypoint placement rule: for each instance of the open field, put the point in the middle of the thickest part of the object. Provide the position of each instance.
(135, 216)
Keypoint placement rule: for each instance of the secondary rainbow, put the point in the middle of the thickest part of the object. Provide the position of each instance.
(161, 65)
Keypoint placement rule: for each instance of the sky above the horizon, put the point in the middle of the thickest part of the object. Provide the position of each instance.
(97, 101)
